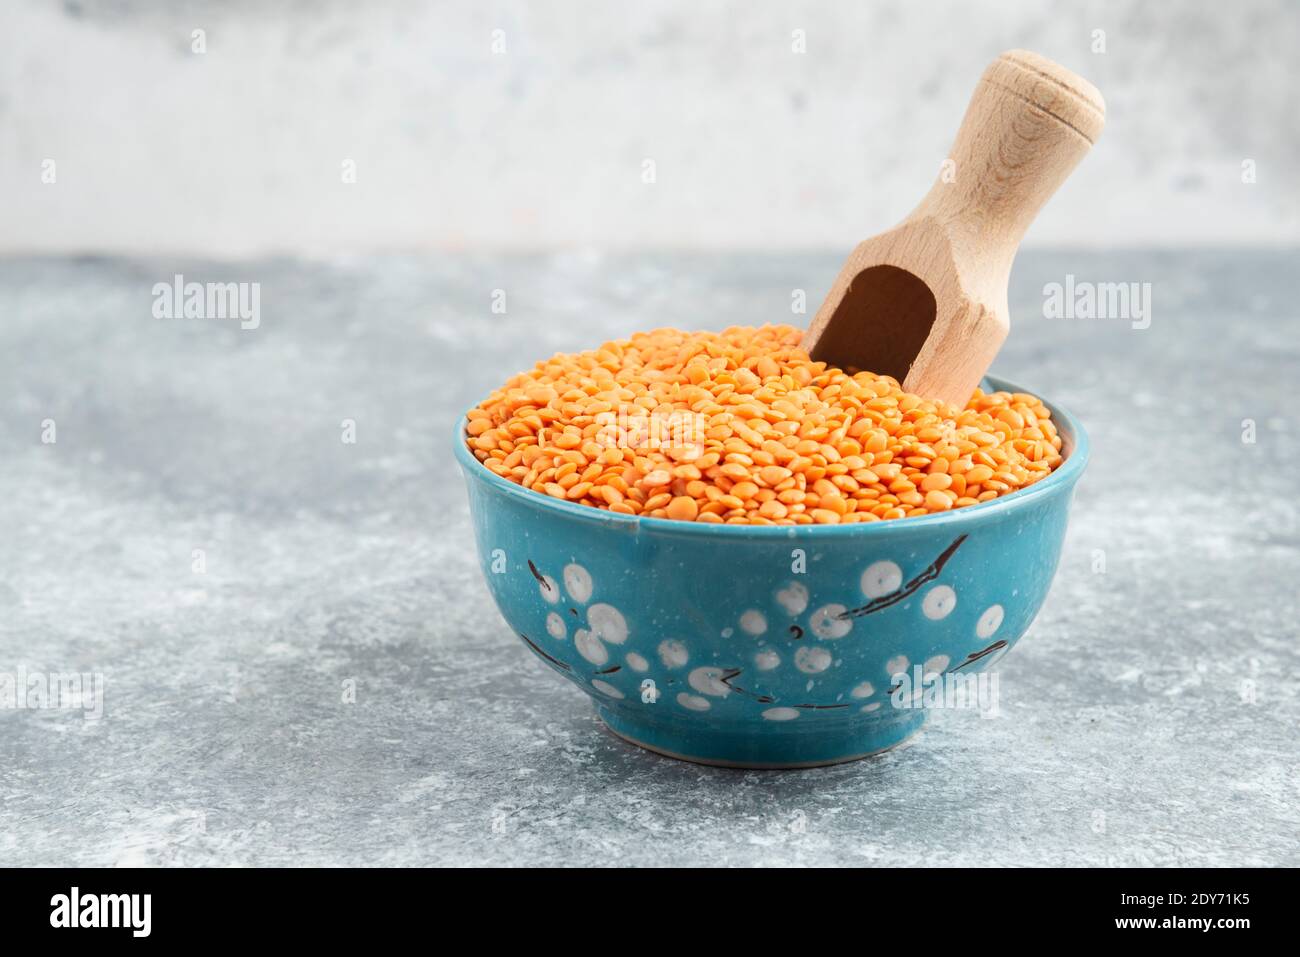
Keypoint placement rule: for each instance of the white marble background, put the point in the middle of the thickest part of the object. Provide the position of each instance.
(238, 151)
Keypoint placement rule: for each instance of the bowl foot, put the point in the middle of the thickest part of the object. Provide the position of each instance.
(764, 750)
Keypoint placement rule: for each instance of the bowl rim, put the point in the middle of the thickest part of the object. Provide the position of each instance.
(1066, 474)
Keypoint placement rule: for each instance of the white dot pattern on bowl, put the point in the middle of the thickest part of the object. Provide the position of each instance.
(989, 622)
(827, 624)
(578, 584)
(880, 579)
(601, 625)
(812, 659)
(608, 623)
(793, 598)
(590, 647)
(780, 714)
(935, 665)
(673, 653)
(939, 602)
(710, 681)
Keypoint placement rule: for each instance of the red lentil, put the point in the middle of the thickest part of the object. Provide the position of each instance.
(754, 432)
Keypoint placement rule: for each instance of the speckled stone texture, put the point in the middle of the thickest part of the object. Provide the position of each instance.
(1149, 717)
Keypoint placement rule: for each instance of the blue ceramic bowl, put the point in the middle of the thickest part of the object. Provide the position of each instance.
(766, 646)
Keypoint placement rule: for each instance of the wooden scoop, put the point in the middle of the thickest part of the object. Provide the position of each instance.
(926, 302)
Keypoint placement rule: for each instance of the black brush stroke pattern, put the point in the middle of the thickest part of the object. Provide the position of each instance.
(541, 579)
(894, 597)
(819, 707)
(731, 673)
(555, 662)
(975, 656)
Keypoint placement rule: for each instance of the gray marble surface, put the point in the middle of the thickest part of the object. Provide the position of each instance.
(1149, 716)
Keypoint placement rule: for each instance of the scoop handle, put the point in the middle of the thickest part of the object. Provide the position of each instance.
(1029, 123)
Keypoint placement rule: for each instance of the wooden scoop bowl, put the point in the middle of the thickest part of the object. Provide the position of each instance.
(926, 302)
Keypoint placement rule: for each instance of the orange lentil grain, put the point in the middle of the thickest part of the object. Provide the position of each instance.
(683, 508)
(936, 480)
(657, 501)
(754, 432)
(937, 501)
